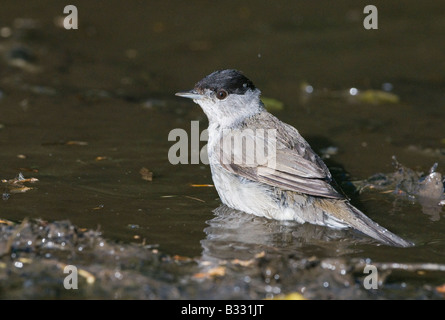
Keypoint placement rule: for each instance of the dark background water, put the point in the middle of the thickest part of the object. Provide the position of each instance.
(84, 110)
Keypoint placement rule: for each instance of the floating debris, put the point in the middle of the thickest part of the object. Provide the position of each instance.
(377, 97)
(19, 180)
(76, 143)
(441, 288)
(289, 296)
(146, 174)
(354, 94)
(16, 185)
(213, 272)
(66, 143)
(177, 257)
(272, 104)
(193, 198)
(22, 189)
(6, 222)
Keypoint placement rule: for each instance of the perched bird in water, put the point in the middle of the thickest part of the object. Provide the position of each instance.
(289, 181)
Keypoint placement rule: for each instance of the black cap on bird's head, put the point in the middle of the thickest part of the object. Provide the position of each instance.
(230, 81)
(226, 96)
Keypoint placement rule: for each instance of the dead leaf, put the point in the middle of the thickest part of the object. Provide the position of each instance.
(76, 143)
(19, 190)
(441, 289)
(17, 185)
(8, 223)
(260, 254)
(181, 258)
(87, 275)
(19, 180)
(289, 296)
(243, 263)
(146, 174)
(25, 260)
(31, 180)
(214, 272)
(378, 97)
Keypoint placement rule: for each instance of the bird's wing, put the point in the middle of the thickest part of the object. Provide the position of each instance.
(277, 156)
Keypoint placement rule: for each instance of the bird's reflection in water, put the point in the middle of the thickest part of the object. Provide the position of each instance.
(234, 234)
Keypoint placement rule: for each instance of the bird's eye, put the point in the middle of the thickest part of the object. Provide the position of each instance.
(221, 94)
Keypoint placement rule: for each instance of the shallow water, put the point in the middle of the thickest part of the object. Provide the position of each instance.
(83, 111)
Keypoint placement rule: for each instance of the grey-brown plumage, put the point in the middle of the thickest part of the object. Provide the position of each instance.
(295, 166)
(289, 181)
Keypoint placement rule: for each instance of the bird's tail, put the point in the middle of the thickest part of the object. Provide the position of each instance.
(359, 221)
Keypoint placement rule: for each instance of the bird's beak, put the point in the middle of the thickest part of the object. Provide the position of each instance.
(192, 94)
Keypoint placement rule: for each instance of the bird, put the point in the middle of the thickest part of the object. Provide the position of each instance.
(289, 181)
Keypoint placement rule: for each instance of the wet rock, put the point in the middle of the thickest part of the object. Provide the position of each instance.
(34, 255)
(428, 190)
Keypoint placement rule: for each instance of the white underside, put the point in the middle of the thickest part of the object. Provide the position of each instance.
(262, 200)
